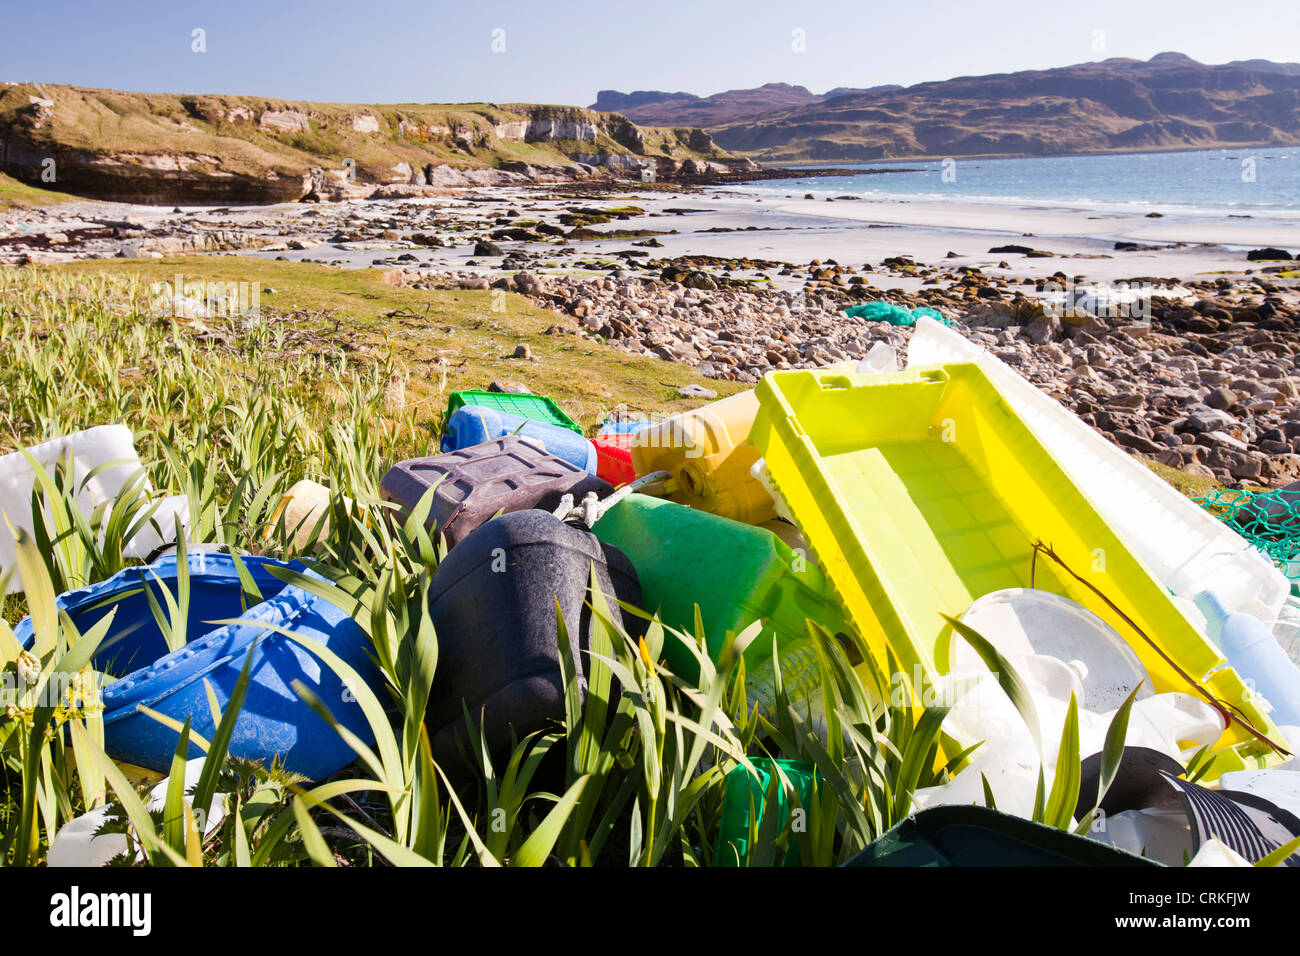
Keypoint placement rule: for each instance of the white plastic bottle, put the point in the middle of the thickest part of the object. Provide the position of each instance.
(1256, 655)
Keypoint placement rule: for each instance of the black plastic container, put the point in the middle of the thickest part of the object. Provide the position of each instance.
(493, 604)
(473, 484)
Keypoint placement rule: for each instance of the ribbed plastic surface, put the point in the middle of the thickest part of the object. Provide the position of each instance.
(614, 457)
(134, 641)
(474, 484)
(539, 408)
(744, 791)
(274, 722)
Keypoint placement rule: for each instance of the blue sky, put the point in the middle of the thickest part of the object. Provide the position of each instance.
(555, 51)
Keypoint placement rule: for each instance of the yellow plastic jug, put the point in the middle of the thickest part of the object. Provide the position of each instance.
(707, 451)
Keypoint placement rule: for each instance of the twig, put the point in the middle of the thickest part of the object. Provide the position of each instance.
(1225, 709)
(368, 818)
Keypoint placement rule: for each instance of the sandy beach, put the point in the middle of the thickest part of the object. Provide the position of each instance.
(726, 223)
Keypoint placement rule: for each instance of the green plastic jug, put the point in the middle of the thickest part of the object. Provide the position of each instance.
(738, 574)
(743, 790)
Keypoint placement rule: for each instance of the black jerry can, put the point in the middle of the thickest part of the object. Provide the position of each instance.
(493, 602)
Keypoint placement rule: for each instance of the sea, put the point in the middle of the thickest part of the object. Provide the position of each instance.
(1257, 182)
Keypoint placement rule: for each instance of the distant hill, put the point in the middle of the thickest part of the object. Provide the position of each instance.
(1268, 66)
(853, 90)
(616, 102)
(1170, 101)
(172, 148)
(649, 106)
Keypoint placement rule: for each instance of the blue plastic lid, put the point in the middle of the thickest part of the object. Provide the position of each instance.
(215, 570)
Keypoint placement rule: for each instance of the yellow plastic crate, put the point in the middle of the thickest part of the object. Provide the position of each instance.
(920, 491)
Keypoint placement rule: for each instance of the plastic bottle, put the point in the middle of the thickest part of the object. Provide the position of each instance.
(881, 358)
(493, 602)
(708, 452)
(473, 484)
(737, 574)
(475, 424)
(744, 794)
(1256, 655)
(305, 506)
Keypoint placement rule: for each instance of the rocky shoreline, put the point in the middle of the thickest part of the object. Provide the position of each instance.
(1208, 387)
(1204, 379)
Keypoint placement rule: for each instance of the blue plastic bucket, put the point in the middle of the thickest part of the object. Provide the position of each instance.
(475, 424)
(274, 721)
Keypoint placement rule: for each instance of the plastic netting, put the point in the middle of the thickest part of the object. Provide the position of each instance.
(1269, 520)
(893, 314)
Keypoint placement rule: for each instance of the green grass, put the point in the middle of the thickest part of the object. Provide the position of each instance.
(18, 195)
(354, 309)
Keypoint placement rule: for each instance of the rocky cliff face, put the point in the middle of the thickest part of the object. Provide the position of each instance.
(213, 149)
(146, 177)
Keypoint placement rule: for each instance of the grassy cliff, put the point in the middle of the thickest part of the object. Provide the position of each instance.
(172, 147)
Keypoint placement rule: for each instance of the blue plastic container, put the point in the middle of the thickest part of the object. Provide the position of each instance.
(624, 427)
(475, 424)
(134, 640)
(274, 721)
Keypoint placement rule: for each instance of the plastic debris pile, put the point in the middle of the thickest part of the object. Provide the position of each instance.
(946, 519)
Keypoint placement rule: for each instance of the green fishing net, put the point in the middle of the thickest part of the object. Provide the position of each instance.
(1269, 520)
(893, 314)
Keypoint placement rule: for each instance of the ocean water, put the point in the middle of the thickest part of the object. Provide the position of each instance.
(1262, 183)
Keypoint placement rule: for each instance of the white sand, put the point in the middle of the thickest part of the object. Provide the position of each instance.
(867, 231)
(852, 232)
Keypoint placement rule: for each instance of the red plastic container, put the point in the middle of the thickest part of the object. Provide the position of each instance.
(614, 458)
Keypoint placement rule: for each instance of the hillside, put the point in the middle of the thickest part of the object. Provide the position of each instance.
(163, 148)
(1170, 101)
(655, 106)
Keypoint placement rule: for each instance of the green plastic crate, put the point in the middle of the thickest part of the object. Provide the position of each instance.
(538, 408)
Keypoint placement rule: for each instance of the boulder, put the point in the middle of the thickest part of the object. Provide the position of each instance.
(696, 391)
(1264, 255)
